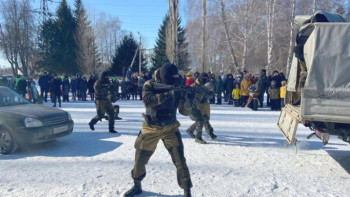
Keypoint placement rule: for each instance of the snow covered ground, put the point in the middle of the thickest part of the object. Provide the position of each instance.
(248, 159)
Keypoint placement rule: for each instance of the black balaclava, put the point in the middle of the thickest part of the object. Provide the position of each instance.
(104, 75)
(167, 72)
(203, 78)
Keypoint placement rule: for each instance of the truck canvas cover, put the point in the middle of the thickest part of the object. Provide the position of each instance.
(326, 95)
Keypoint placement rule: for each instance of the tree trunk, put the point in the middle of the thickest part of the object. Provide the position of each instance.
(172, 40)
(234, 61)
(270, 9)
(204, 26)
(291, 41)
(245, 36)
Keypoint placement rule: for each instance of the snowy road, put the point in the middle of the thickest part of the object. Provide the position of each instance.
(248, 159)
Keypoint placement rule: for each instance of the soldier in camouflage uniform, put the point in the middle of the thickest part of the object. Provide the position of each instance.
(302, 80)
(161, 124)
(201, 112)
(105, 94)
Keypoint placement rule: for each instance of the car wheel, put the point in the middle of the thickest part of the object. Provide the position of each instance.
(7, 143)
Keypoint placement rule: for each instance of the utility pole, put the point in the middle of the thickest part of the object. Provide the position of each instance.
(140, 53)
(204, 27)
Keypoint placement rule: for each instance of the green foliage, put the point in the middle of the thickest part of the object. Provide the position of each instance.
(123, 57)
(160, 56)
(58, 46)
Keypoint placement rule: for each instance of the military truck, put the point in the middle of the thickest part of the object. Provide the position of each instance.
(318, 89)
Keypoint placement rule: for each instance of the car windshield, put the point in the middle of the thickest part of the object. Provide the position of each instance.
(9, 97)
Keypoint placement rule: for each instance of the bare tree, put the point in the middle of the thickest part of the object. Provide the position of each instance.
(233, 56)
(108, 33)
(17, 33)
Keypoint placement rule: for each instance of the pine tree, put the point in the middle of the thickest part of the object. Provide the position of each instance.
(160, 56)
(160, 49)
(124, 54)
(184, 56)
(48, 44)
(66, 50)
(87, 55)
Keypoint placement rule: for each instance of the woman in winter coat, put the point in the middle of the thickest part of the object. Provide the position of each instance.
(245, 84)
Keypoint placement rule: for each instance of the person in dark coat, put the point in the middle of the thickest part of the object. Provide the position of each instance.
(140, 84)
(263, 85)
(218, 89)
(78, 86)
(123, 89)
(212, 83)
(44, 83)
(56, 91)
(22, 87)
(90, 85)
(74, 85)
(229, 87)
(65, 89)
(83, 88)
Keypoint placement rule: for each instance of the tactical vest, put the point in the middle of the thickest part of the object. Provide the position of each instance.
(165, 113)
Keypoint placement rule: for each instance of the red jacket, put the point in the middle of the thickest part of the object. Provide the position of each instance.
(189, 81)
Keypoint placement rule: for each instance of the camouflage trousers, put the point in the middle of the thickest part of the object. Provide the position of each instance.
(102, 107)
(201, 117)
(146, 143)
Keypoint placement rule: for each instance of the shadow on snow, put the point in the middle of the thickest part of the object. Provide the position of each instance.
(78, 144)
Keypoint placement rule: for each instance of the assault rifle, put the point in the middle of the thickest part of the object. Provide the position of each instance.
(195, 93)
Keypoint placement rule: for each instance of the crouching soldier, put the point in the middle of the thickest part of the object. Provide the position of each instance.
(161, 124)
(104, 96)
(201, 111)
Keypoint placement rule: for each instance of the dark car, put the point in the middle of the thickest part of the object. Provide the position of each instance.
(24, 123)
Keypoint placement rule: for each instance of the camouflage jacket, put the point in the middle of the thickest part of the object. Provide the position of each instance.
(104, 90)
(161, 106)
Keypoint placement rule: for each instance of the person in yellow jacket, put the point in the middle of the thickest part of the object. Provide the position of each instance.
(245, 84)
(235, 94)
(282, 92)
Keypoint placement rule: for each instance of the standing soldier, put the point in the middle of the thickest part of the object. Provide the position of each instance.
(201, 112)
(104, 96)
(161, 107)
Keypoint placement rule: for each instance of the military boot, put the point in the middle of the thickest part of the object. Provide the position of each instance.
(199, 138)
(190, 133)
(113, 131)
(213, 136)
(136, 189)
(187, 193)
(92, 123)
